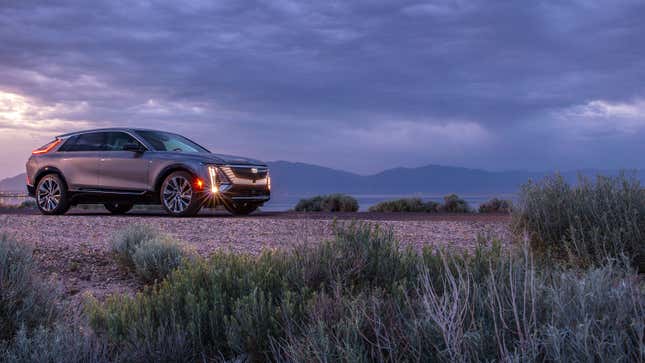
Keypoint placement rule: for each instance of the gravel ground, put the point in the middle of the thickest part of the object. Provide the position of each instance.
(73, 250)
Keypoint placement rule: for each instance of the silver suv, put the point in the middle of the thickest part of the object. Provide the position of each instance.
(121, 167)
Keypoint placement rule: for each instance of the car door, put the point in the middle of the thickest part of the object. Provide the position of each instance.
(80, 160)
(123, 170)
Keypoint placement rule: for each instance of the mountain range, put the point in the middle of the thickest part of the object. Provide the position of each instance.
(300, 179)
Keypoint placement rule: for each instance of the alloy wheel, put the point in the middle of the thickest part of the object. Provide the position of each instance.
(177, 194)
(49, 194)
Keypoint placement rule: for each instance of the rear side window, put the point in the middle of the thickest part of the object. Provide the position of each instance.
(68, 145)
(116, 140)
(95, 141)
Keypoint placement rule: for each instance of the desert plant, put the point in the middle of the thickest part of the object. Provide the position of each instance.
(405, 205)
(155, 258)
(360, 256)
(236, 304)
(454, 204)
(60, 343)
(149, 253)
(595, 315)
(328, 203)
(362, 297)
(491, 307)
(585, 224)
(496, 205)
(25, 301)
(125, 242)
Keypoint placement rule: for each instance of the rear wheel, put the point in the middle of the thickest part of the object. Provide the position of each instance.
(51, 195)
(241, 209)
(178, 196)
(118, 207)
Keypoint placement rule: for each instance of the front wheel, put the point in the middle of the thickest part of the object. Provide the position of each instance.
(118, 208)
(241, 209)
(178, 196)
(51, 195)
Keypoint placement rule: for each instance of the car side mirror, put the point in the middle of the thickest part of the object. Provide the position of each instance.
(133, 147)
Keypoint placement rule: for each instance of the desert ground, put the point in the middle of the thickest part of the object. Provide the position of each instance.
(73, 251)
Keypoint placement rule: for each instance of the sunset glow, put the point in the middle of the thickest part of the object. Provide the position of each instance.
(20, 112)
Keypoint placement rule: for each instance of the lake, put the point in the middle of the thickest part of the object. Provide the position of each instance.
(286, 202)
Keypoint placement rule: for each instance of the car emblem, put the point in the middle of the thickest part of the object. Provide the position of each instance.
(254, 170)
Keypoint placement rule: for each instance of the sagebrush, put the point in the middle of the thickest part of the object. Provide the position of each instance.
(452, 203)
(496, 205)
(25, 301)
(584, 224)
(328, 203)
(148, 252)
(58, 344)
(406, 205)
(363, 297)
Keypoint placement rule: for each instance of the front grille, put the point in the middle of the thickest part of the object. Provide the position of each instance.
(244, 175)
(247, 172)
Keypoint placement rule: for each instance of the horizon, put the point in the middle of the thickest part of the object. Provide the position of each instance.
(544, 171)
(493, 86)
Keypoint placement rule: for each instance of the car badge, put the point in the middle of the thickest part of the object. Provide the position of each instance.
(254, 170)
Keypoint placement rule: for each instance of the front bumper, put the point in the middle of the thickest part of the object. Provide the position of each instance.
(240, 183)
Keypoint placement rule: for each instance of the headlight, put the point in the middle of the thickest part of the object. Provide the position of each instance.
(212, 173)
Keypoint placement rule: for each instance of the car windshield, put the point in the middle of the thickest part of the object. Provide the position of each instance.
(164, 141)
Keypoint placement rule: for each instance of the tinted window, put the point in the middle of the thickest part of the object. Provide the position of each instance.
(164, 141)
(69, 144)
(116, 140)
(86, 142)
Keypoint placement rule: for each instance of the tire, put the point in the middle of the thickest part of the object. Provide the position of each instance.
(118, 207)
(177, 195)
(241, 209)
(52, 195)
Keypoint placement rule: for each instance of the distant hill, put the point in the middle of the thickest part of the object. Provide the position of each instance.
(304, 179)
(13, 184)
(300, 179)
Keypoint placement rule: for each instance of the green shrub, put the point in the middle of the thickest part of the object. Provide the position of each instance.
(454, 204)
(496, 205)
(24, 300)
(328, 203)
(155, 258)
(489, 306)
(585, 224)
(595, 315)
(125, 242)
(151, 254)
(406, 205)
(58, 344)
(359, 257)
(362, 297)
(235, 305)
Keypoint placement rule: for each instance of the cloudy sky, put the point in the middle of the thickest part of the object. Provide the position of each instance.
(357, 85)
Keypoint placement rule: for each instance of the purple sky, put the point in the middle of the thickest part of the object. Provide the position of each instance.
(355, 85)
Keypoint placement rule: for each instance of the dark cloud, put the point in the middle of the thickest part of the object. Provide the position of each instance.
(358, 85)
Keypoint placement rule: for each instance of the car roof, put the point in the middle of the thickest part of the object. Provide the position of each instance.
(122, 129)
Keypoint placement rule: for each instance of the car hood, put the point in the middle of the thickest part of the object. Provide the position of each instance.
(211, 158)
(232, 159)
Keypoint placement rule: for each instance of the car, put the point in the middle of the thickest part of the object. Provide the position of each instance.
(121, 167)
